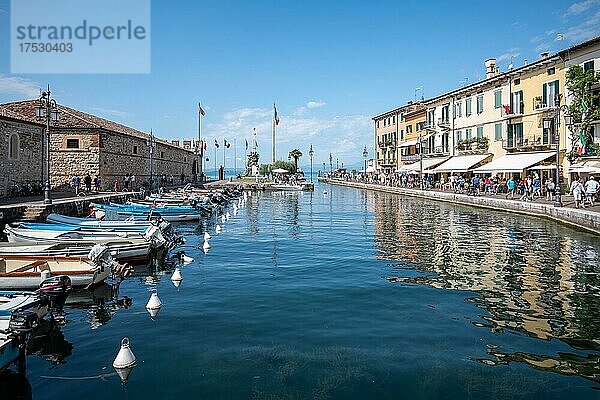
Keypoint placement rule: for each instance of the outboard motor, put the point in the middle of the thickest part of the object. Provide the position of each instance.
(23, 322)
(55, 290)
(154, 235)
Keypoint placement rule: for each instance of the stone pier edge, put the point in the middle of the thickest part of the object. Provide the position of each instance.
(578, 219)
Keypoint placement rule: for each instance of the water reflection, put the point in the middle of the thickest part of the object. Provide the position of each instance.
(49, 343)
(530, 275)
(100, 304)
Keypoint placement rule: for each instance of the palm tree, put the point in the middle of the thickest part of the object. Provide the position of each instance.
(296, 154)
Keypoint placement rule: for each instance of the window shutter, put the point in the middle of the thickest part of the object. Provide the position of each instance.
(545, 94)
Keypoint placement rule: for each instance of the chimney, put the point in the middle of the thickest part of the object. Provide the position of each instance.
(543, 55)
(491, 69)
(525, 62)
(175, 143)
(187, 144)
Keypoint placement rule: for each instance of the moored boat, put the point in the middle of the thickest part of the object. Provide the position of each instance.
(26, 272)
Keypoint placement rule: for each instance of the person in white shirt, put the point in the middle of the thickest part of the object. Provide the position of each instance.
(577, 192)
(591, 188)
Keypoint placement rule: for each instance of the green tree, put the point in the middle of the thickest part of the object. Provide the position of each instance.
(295, 154)
(585, 104)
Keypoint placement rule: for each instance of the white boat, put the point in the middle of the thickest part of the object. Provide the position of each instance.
(96, 223)
(26, 272)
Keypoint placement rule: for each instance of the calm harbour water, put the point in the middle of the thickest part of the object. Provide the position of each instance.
(349, 295)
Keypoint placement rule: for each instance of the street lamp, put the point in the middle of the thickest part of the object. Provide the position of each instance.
(552, 124)
(365, 154)
(311, 153)
(47, 108)
(330, 163)
(337, 163)
(151, 143)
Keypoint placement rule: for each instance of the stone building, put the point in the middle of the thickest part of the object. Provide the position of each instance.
(20, 151)
(82, 143)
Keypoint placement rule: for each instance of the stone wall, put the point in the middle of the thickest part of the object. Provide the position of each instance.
(122, 155)
(27, 166)
(66, 162)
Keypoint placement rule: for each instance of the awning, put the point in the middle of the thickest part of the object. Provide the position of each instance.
(586, 167)
(427, 164)
(414, 142)
(514, 162)
(461, 163)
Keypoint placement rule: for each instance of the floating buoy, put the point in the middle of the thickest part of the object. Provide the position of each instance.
(227, 216)
(235, 212)
(206, 245)
(223, 219)
(218, 228)
(176, 277)
(207, 236)
(125, 357)
(154, 304)
(186, 259)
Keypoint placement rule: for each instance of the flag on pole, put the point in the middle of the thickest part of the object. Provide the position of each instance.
(216, 144)
(228, 145)
(581, 144)
(201, 110)
(276, 116)
(246, 144)
(204, 145)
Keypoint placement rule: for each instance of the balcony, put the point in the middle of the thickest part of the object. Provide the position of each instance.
(444, 123)
(530, 142)
(429, 125)
(410, 157)
(386, 162)
(437, 151)
(473, 146)
(517, 110)
(386, 143)
(540, 104)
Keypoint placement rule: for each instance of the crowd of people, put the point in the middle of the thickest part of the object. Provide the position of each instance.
(528, 188)
(127, 183)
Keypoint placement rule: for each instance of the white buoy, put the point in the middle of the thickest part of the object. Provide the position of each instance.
(206, 245)
(176, 277)
(186, 259)
(227, 216)
(207, 236)
(235, 212)
(125, 357)
(154, 304)
(223, 219)
(218, 229)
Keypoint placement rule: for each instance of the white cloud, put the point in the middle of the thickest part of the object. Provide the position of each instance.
(108, 112)
(508, 55)
(344, 136)
(580, 7)
(315, 104)
(21, 87)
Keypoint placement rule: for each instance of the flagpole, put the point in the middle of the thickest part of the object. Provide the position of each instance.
(201, 150)
(216, 171)
(234, 157)
(273, 139)
(224, 147)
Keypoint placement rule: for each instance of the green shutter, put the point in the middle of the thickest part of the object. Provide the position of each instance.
(545, 94)
(498, 132)
(480, 131)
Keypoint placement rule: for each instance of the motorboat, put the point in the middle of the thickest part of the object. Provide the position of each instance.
(287, 187)
(20, 313)
(26, 272)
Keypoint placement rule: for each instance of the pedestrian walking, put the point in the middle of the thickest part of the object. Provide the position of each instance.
(88, 182)
(97, 183)
(116, 185)
(132, 181)
(577, 191)
(75, 182)
(510, 184)
(591, 188)
(549, 189)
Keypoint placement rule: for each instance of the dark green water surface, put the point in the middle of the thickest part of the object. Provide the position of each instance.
(351, 295)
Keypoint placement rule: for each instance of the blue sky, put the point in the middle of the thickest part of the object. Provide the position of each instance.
(328, 65)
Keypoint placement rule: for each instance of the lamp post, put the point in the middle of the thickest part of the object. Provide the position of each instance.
(421, 162)
(323, 169)
(330, 163)
(311, 153)
(151, 143)
(47, 109)
(365, 154)
(552, 124)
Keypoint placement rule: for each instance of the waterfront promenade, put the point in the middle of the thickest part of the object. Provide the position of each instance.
(587, 219)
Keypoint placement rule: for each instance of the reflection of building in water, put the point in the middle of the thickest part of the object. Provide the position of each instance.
(532, 275)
